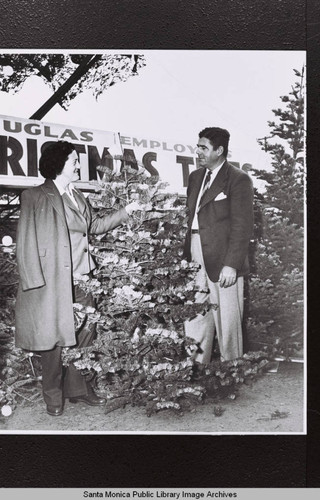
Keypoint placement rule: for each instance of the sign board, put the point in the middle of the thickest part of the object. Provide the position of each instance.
(22, 141)
(172, 161)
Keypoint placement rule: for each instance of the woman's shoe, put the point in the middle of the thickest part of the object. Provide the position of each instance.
(55, 411)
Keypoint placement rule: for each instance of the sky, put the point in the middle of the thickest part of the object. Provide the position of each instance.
(177, 94)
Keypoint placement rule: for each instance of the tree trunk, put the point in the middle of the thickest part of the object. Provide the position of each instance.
(84, 66)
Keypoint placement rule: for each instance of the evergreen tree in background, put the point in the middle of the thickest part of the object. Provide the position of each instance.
(285, 183)
(276, 288)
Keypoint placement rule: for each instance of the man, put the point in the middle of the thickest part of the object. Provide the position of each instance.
(220, 206)
(53, 255)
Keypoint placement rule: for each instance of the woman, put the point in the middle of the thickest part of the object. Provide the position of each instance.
(52, 254)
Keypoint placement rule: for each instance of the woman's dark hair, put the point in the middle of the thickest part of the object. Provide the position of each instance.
(217, 137)
(54, 157)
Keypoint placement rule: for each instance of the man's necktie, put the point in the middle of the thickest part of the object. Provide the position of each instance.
(205, 187)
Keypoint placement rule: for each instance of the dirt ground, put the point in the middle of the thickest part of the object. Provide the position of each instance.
(273, 404)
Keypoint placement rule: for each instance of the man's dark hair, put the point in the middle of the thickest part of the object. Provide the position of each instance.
(217, 137)
(54, 157)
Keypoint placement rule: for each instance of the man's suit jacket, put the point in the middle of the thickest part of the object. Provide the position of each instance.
(226, 223)
(46, 250)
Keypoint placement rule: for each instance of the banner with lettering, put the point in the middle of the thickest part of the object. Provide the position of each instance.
(172, 161)
(22, 141)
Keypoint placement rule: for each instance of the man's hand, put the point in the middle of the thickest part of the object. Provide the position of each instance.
(132, 207)
(228, 276)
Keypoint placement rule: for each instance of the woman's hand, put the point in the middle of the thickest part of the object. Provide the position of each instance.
(132, 207)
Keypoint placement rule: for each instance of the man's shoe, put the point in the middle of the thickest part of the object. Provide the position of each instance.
(90, 399)
(54, 411)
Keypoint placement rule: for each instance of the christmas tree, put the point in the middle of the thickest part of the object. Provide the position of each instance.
(145, 292)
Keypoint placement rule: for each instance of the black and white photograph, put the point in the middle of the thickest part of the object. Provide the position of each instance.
(152, 242)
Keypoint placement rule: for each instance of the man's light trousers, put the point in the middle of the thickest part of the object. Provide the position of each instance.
(226, 320)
